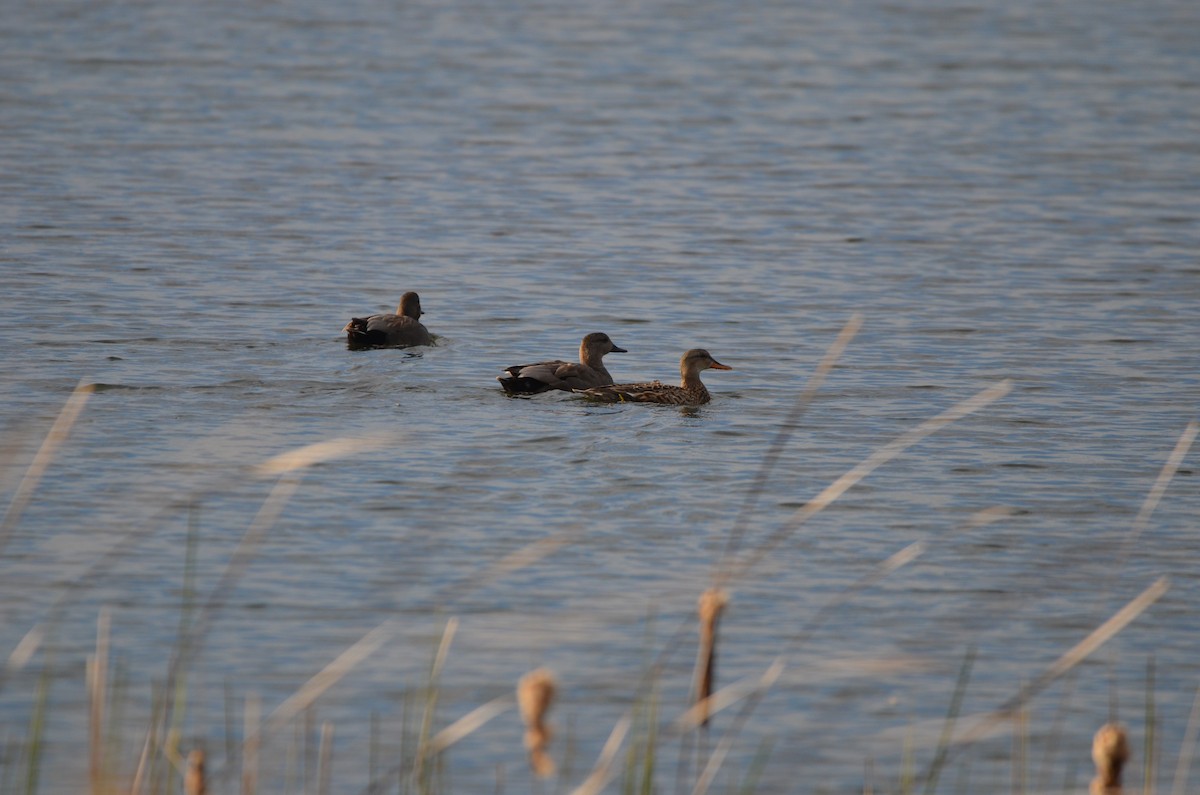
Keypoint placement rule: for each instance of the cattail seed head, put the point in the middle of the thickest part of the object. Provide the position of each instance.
(710, 605)
(535, 691)
(1110, 752)
(193, 781)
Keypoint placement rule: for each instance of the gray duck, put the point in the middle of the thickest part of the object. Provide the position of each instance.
(589, 371)
(401, 330)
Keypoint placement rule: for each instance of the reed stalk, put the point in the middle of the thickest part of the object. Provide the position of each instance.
(325, 759)
(1150, 762)
(1068, 660)
(54, 440)
(1184, 762)
(856, 474)
(420, 774)
(251, 744)
(602, 771)
(786, 429)
(960, 691)
(97, 680)
(37, 727)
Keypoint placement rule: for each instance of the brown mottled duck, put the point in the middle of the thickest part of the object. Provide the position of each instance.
(690, 392)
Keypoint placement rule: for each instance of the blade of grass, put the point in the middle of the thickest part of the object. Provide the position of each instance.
(381, 634)
(603, 771)
(41, 460)
(786, 429)
(960, 690)
(37, 727)
(765, 682)
(469, 723)
(1184, 763)
(757, 765)
(864, 468)
(1072, 657)
(325, 763)
(739, 690)
(20, 656)
(250, 744)
(1149, 753)
(420, 769)
(1170, 467)
(728, 696)
(97, 686)
(326, 678)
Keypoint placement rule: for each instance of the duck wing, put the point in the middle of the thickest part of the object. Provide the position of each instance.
(387, 330)
(530, 379)
(646, 392)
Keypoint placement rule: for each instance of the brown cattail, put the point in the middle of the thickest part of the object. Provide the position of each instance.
(193, 781)
(1110, 751)
(711, 603)
(535, 691)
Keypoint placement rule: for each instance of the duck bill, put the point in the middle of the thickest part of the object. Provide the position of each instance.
(718, 366)
(615, 349)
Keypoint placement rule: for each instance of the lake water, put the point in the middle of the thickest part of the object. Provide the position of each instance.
(194, 198)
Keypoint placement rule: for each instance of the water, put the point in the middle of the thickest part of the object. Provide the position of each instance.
(194, 200)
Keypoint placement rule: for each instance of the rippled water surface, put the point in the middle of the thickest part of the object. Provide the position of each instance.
(194, 198)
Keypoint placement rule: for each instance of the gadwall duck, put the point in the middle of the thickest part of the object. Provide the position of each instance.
(530, 379)
(401, 330)
(690, 392)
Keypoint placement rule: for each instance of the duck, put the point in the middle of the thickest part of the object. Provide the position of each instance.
(690, 392)
(401, 330)
(589, 371)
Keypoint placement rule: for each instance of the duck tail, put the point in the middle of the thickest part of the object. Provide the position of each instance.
(515, 385)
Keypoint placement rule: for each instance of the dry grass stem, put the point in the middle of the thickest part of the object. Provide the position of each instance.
(765, 682)
(97, 676)
(468, 724)
(1184, 763)
(41, 460)
(1159, 488)
(251, 744)
(868, 465)
(26, 648)
(711, 604)
(319, 452)
(1097, 638)
(740, 690)
(522, 558)
(194, 782)
(381, 634)
(535, 692)
(431, 699)
(1110, 752)
(192, 641)
(328, 676)
(786, 428)
(1101, 635)
(325, 759)
(139, 774)
(730, 695)
(443, 651)
(603, 771)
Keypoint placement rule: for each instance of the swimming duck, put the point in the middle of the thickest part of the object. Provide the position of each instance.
(401, 330)
(690, 392)
(530, 379)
